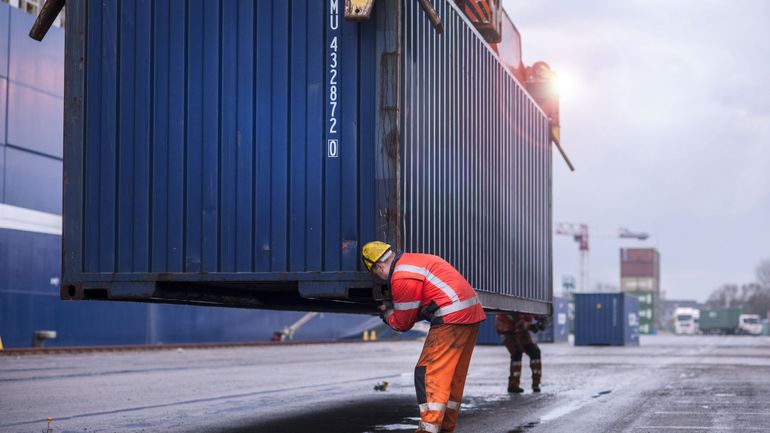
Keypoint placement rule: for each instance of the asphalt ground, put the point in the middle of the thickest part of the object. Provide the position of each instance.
(668, 384)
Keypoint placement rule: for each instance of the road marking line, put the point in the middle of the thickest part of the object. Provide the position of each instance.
(682, 427)
(708, 413)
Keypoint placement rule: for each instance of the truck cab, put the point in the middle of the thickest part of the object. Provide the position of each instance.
(686, 321)
(749, 324)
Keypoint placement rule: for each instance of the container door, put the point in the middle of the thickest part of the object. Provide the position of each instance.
(631, 325)
(560, 326)
(226, 137)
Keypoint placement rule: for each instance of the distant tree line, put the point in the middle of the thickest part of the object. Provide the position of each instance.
(753, 298)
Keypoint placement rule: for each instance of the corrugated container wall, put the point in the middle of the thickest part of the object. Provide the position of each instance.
(241, 153)
(476, 161)
(606, 319)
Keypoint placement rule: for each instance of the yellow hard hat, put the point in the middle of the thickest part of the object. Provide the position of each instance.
(372, 252)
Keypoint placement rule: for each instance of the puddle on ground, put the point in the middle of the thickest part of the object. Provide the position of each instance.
(524, 427)
(478, 403)
(395, 427)
(563, 410)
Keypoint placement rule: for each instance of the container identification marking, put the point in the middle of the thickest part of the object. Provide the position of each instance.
(333, 148)
(332, 143)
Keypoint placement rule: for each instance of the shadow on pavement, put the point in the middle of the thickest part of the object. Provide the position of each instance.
(389, 414)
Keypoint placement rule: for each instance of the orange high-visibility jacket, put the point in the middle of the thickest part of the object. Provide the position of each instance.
(418, 280)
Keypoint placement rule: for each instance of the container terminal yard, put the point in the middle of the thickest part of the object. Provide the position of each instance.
(382, 216)
(667, 384)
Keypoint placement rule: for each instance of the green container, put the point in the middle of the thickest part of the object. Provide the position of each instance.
(719, 320)
(647, 316)
(766, 329)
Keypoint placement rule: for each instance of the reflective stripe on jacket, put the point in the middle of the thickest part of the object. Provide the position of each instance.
(418, 280)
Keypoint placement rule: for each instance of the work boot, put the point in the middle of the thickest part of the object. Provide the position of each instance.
(535, 388)
(515, 378)
(513, 384)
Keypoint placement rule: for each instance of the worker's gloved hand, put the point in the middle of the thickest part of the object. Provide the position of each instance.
(384, 313)
(428, 312)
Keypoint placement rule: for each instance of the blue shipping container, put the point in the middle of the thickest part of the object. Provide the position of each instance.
(606, 319)
(558, 328)
(31, 243)
(487, 334)
(241, 153)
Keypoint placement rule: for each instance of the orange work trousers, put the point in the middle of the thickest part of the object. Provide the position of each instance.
(439, 377)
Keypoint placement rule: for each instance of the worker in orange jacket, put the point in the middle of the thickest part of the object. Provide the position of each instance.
(425, 286)
(515, 329)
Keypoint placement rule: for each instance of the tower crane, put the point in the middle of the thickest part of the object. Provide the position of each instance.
(579, 233)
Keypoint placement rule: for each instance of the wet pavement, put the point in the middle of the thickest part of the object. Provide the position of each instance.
(668, 384)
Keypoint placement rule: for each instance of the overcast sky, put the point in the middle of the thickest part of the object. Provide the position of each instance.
(666, 115)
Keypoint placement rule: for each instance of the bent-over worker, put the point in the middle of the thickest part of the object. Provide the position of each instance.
(515, 330)
(425, 286)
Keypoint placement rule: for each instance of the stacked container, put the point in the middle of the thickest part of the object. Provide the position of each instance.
(648, 302)
(640, 275)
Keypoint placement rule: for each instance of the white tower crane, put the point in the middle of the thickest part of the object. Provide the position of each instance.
(579, 233)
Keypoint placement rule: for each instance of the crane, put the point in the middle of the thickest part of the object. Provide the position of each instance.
(579, 233)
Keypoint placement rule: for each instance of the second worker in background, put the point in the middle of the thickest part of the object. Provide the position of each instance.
(515, 329)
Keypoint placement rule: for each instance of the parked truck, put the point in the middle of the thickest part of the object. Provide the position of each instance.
(729, 321)
(686, 321)
(750, 324)
(240, 154)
